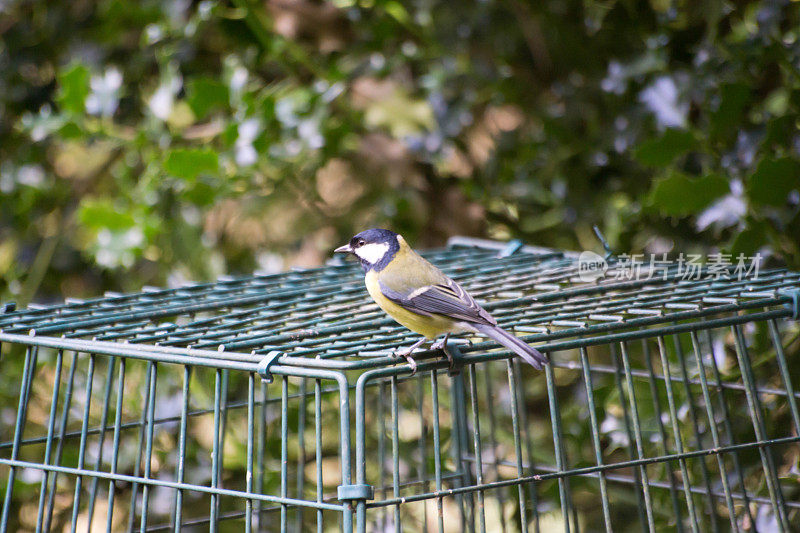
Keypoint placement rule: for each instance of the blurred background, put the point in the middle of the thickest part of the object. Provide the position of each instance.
(151, 143)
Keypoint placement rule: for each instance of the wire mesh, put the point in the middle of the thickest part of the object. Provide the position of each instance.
(668, 403)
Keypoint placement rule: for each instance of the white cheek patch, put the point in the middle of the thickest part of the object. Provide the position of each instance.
(372, 252)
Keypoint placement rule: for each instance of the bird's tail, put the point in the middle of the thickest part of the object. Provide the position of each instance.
(531, 355)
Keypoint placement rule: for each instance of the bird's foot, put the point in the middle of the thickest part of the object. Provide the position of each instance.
(441, 344)
(406, 353)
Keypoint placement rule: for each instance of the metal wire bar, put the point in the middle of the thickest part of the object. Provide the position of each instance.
(262, 445)
(520, 401)
(784, 370)
(663, 440)
(139, 446)
(422, 448)
(215, 455)
(437, 449)
(318, 447)
(753, 404)
(152, 370)
(585, 471)
(166, 420)
(187, 487)
(382, 445)
(28, 371)
(712, 424)
(476, 437)
(697, 490)
(488, 380)
(284, 447)
(116, 443)
(637, 432)
(223, 423)
(179, 474)
(101, 441)
(561, 463)
(698, 434)
(248, 513)
(395, 453)
(640, 501)
(512, 387)
(301, 451)
(676, 432)
(598, 453)
(726, 421)
(458, 445)
(87, 404)
(51, 424)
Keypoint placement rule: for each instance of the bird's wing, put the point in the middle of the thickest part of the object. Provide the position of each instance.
(446, 297)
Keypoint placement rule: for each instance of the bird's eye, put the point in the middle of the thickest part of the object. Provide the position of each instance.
(360, 242)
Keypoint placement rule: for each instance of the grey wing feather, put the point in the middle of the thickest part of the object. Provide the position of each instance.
(447, 298)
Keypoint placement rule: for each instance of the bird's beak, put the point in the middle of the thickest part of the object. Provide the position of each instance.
(346, 249)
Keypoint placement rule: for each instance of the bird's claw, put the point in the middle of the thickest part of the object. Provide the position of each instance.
(441, 344)
(407, 355)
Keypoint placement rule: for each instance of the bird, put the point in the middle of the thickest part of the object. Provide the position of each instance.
(419, 296)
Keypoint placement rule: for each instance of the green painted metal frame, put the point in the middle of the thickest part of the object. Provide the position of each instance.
(317, 325)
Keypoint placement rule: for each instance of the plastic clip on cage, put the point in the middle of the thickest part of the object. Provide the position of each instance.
(669, 403)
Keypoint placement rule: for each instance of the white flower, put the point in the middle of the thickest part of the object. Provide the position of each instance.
(161, 102)
(133, 238)
(30, 175)
(248, 130)
(725, 212)
(163, 99)
(285, 112)
(612, 427)
(308, 130)
(661, 97)
(766, 520)
(154, 33)
(246, 155)
(245, 152)
(238, 78)
(104, 98)
(616, 79)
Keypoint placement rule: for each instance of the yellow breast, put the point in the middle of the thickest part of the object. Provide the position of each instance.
(428, 326)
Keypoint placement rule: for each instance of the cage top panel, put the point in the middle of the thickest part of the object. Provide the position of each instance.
(326, 314)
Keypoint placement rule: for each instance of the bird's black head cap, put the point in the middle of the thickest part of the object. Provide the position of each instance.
(375, 236)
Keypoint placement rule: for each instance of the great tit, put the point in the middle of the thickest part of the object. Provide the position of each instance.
(422, 298)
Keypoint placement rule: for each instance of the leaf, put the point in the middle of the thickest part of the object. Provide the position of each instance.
(73, 88)
(205, 95)
(662, 151)
(750, 240)
(401, 114)
(595, 12)
(97, 213)
(71, 131)
(780, 130)
(399, 12)
(726, 120)
(189, 163)
(200, 193)
(773, 180)
(681, 195)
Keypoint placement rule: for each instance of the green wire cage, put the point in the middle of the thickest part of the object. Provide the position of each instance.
(272, 403)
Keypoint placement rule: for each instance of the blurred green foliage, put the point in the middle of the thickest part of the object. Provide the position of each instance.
(153, 142)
